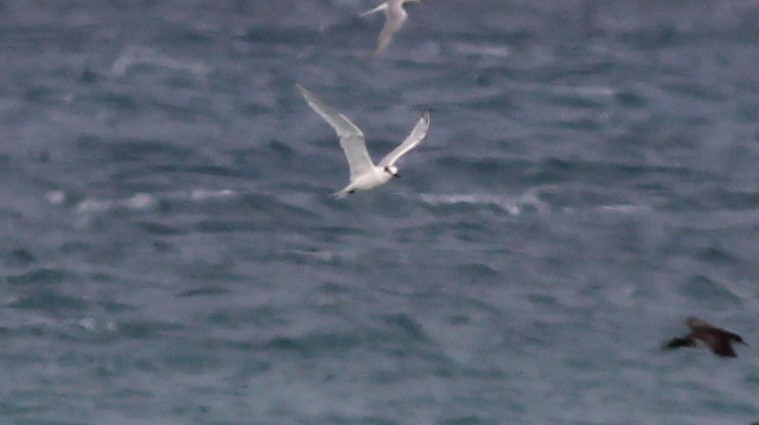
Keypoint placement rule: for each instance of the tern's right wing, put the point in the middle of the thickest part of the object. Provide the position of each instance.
(413, 139)
(351, 137)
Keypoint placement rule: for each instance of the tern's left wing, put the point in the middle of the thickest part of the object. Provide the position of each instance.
(379, 8)
(351, 137)
(395, 19)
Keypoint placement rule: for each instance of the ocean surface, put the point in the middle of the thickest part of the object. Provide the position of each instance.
(172, 254)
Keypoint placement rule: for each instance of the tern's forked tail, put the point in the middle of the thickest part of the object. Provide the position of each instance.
(342, 193)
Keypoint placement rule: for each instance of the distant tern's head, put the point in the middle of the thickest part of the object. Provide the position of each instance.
(392, 170)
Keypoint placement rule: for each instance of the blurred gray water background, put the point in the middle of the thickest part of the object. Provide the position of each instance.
(171, 253)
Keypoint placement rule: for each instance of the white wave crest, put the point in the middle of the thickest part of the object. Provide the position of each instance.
(511, 205)
(138, 201)
(142, 55)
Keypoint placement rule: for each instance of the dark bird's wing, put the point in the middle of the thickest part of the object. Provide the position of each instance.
(680, 342)
(723, 348)
(719, 343)
(735, 337)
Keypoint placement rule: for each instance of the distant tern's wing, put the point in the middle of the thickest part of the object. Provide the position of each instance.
(351, 137)
(379, 8)
(413, 139)
(394, 22)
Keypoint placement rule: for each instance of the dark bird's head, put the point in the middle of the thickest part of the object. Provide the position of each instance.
(695, 322)
(392, 170)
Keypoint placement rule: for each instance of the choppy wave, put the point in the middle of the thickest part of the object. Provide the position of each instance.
(135, 56)
(537, 200)
(137, 201)
(171, 252)
(510, 205)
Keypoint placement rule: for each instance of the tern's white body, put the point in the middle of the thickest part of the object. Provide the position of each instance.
(364, 175)
(395, 17)
(375, 177)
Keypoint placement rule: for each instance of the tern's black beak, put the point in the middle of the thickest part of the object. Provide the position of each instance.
(396, 175)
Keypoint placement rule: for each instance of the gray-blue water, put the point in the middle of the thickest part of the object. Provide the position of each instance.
(171, 252)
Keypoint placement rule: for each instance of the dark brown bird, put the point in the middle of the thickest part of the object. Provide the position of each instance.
(717, 339)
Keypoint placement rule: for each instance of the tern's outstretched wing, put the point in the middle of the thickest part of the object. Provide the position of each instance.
(379, 8)
(351, 137)
(395, 17)
(413, 139)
